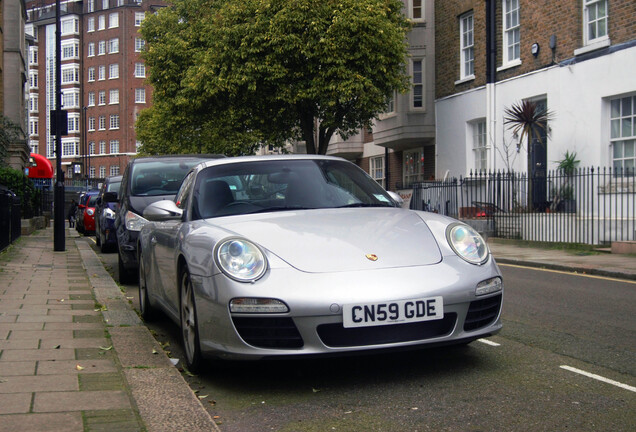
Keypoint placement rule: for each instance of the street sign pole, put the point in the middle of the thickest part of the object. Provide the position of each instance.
(59, 242)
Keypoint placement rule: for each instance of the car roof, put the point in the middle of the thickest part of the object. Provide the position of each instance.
(241, 159)
(144, 159)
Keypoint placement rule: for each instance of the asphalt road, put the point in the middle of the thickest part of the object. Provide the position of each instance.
(565, 360)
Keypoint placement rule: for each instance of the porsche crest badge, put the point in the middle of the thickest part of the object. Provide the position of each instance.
(372, 257)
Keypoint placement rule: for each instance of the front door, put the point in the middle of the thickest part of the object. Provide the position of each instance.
(538, 162)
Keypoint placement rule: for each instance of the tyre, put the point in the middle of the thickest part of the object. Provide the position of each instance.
(124, 275)
(189, 324)
(98, 239)
(145, 309)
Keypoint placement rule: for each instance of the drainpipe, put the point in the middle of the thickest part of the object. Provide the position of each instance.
(491, 78)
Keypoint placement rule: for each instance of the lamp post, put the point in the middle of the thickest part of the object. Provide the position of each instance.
(87, 151)
(59, 242)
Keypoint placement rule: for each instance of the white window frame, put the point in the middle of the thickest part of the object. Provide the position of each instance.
(114, 169)
(70, 49)
(113, 122)
(376, 169)
(140, 70)
(90, 25)
(480, 145)
(102, 149)
(70, 98)
(34, 124)
(622, 125)
(69, 25)
(102, 172)
(413, 170)
(101, 22)
(90, 74)
(140, 43)
(104, 4)
(101, 98)
(467, 45)
(511, 31)
(34, 101)
(113, 71)
(73, 122)
(593, 7)
(140, 95)
(113, 96)
(101, 48)
(90, 50)
(417, 82)
(113, 46)
(101, 125)
(91, 124)
(114, 147)
(33, 55)
(113, 20)
(416, 11)
(91, 98)
(139, 18)
(91, 171)
(33, 79)
(70, 74)
(70, 147)
(101, 73)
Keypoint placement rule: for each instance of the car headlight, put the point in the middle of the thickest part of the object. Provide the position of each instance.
(240, 259)
(134, 222)
(467, 243)
(109, 214)
(90, 211)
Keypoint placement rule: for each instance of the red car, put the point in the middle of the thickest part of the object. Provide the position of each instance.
(86, 213)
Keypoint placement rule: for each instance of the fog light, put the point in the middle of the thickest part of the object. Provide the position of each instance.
(257, 305)
(489, 286)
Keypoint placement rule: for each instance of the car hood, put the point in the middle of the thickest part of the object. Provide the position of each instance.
(333, 240)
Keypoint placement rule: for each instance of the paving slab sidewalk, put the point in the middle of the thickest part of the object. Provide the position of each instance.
(74, 356)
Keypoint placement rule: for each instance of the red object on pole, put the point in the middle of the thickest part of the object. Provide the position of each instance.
(41, 168)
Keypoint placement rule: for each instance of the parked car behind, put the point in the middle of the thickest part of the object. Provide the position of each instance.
(307, 255)
(146, 180)
(105, 210)
(85, 223)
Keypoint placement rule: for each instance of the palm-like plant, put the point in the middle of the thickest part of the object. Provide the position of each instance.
(524, 118)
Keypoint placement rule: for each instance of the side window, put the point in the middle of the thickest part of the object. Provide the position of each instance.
(181, 199)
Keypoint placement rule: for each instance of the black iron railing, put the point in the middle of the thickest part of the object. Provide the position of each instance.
(589, 205)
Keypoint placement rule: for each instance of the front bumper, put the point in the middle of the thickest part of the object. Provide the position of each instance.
(314, 323)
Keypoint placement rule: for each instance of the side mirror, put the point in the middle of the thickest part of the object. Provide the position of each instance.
(164, 210)
(110, 197)
(397, 198)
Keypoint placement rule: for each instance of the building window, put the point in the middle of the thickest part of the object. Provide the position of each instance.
(114, 169)
(139, 44)
(413, 167)
(480, 146)
(140, 95)
(102, 171)
(33, 55)
(101, 47)
(73, 123)
(33, 79)
(91, 49)
(511, 31)
(101, 97)
(140, 70)
(90, 24)
(70, 74)
(104, 4)
(91, 147)
(139, 18)
(113, 20)
(114, 121)
(623, 132)
(113, 71)
(101, 73)
(466, 38)
(113, 46)
(91, 98)
(418, 83)
(376, 165)
(91, 172)
(70, 98)
(90, 6)
(114, 147)
(595, 19)
(35, 146)
(70, 25)
(33, 103)
(70, 49)
(91, 74)
(91, 124)
(102, 124)
(102, 150)
(416, 10)
(101, 22)
(33, 126)
(113, 97)
(70, 147)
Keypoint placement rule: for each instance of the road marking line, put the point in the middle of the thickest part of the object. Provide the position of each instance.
(571, 273)
(487, 342)
(599, 378)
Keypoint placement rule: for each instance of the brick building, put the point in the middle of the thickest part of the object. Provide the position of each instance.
(575, 57)
(103, 82)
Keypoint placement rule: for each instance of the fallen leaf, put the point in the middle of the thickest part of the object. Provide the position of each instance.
(216, 417)
(203, 396)
(79, 368)
(154, 351)
(106, 349)
(212, 402)
(57, 347)
(174, 361)
(315, 390)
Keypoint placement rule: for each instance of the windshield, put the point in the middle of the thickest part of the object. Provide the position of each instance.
(113, 187)
(160, 177)
(276, 185)
(92, 200)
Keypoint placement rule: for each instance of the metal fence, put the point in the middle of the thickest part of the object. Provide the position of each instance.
(589, 205)
(10, 218)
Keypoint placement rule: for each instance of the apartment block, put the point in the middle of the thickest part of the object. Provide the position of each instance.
(102, 82)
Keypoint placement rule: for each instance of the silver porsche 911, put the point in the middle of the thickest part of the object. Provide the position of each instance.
(307, 255)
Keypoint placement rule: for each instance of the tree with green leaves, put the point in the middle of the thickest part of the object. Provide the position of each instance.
(230, 75)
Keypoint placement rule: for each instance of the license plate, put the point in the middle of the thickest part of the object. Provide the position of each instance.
(393, 312)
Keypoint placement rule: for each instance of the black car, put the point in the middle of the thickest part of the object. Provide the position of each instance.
(105, 210)
(146, 180)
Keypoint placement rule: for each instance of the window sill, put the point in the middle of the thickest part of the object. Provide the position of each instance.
(593, 46)
(509, 65)
(465, 80)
